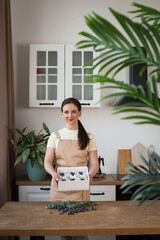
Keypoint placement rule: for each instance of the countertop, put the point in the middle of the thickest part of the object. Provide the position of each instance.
(110, 218)
(109, 179)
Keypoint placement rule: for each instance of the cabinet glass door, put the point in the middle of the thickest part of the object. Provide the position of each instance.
(47, 75)
(77, 75)
(81, 89)
(48, 63)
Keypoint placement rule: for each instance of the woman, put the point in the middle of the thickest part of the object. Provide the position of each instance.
(69, 147)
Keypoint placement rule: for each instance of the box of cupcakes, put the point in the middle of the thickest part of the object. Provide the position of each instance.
(72, 178)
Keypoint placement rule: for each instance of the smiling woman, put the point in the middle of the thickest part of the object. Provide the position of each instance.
(71, 113)
(69, 147)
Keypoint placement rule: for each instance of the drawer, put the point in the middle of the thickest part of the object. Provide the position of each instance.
(33, 193)
(102, 193)
(41, 193)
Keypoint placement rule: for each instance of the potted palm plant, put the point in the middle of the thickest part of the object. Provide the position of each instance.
(31, 148)
(126, 50)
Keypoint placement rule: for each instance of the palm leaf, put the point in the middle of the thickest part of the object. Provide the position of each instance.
(147, 14)
(148, 120)
(156, 100)
(157, 159)
(119, 51)
(150, 178)
(108, 36)
(151, 202)
(148, 99)
(138, 111)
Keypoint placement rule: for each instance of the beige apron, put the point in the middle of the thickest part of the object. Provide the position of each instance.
(68, 154)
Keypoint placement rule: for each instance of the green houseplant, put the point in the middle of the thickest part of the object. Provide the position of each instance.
(31, 148)
(119, 50)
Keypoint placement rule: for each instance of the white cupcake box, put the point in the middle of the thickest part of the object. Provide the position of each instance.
(72, 178)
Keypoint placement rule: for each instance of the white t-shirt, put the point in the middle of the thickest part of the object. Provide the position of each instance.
(71, 135)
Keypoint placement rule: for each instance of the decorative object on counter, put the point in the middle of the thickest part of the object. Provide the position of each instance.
(124, 155)
(151, 149)
(99, 173)
(126, 51)
(35, 172)
(131, 155)
(31, 151)
(100, 160)
(139, 148)
(72, 178)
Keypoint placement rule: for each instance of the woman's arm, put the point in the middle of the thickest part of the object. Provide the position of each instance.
(48, 165)
(93, 163)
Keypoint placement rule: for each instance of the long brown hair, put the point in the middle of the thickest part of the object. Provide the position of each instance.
(83, 138)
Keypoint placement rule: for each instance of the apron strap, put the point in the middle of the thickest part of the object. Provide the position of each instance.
(58, 135)
(89, 135)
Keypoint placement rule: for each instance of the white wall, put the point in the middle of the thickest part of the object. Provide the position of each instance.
(59, 21)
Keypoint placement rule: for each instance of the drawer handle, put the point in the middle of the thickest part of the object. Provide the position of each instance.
(46, 103)
(44, 189)
(102, 193)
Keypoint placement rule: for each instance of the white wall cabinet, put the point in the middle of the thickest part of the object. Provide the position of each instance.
(57, 72)
(46, 85)
(77, 84)
(41, 193)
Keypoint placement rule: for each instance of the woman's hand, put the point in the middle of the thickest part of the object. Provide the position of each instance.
(55, 179)
(48, 165)
(94, 165)
(90, 179)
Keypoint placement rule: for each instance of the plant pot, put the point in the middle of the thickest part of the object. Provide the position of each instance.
(35, 173)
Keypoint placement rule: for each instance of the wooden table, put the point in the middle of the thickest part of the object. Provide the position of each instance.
(110, 218)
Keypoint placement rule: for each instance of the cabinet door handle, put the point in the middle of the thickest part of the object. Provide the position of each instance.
(102, 193)
(46, 103)
(44, 189)
(85, 104)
